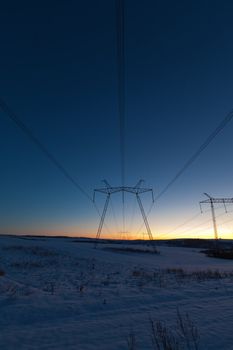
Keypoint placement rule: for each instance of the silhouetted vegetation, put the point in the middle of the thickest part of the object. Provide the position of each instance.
(220, 253)
(150, 250)
(184, 336)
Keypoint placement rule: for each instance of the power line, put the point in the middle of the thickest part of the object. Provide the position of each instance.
(148, 213)
(183, 224)
(98, 212)
(195, 155)
(6, 109)
(120, 19)
(226, 222)
(137, 190)
(221, 224)
(203, 223)
(189, 231)
(132, 215)
(35, 140)
(114, 214)
(190, 220)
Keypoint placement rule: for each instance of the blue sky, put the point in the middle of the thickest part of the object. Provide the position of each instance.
(58, 73)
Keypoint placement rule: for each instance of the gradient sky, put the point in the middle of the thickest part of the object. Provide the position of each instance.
(58, 73)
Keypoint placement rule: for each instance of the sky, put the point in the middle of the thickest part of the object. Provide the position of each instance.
(59, 75)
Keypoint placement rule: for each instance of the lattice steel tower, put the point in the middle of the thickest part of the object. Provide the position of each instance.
(211, 201)
(137, 190)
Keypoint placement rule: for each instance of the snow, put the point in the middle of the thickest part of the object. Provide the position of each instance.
(60, 294)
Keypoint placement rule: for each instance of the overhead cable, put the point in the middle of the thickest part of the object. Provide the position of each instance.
(34, 139)
(195, 155)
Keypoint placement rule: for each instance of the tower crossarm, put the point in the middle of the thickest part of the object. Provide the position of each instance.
(134, 190)
(102, 190)
(137, 190)
(218, 200)
(108, 190)
(223, 200)
(143, 190)
(212, 201)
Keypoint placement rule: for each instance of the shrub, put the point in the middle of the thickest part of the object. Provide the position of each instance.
(151, 250)
(220, 253)
(163, 337)
(33, 250)
(131, 341)
(184, 336)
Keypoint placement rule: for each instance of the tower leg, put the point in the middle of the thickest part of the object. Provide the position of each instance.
(144, 217)
(123, 210)
(102, 218)
(214, 220)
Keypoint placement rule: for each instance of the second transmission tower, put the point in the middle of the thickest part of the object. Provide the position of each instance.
(212, 201)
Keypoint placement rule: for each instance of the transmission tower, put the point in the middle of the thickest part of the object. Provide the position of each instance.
(124, 234)
(137, 190)
(212, 201)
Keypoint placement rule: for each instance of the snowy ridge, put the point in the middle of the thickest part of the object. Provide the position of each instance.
(58, 293)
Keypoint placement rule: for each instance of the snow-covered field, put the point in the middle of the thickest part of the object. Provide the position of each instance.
(56, 293)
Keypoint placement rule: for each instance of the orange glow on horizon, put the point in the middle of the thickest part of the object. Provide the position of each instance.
(223, 234)
(159, 233)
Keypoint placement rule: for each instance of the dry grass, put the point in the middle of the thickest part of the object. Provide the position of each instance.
(149, 250)
(170, 277)
(184, 336)
(32, 250)
(220, 253)
(131, 341)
